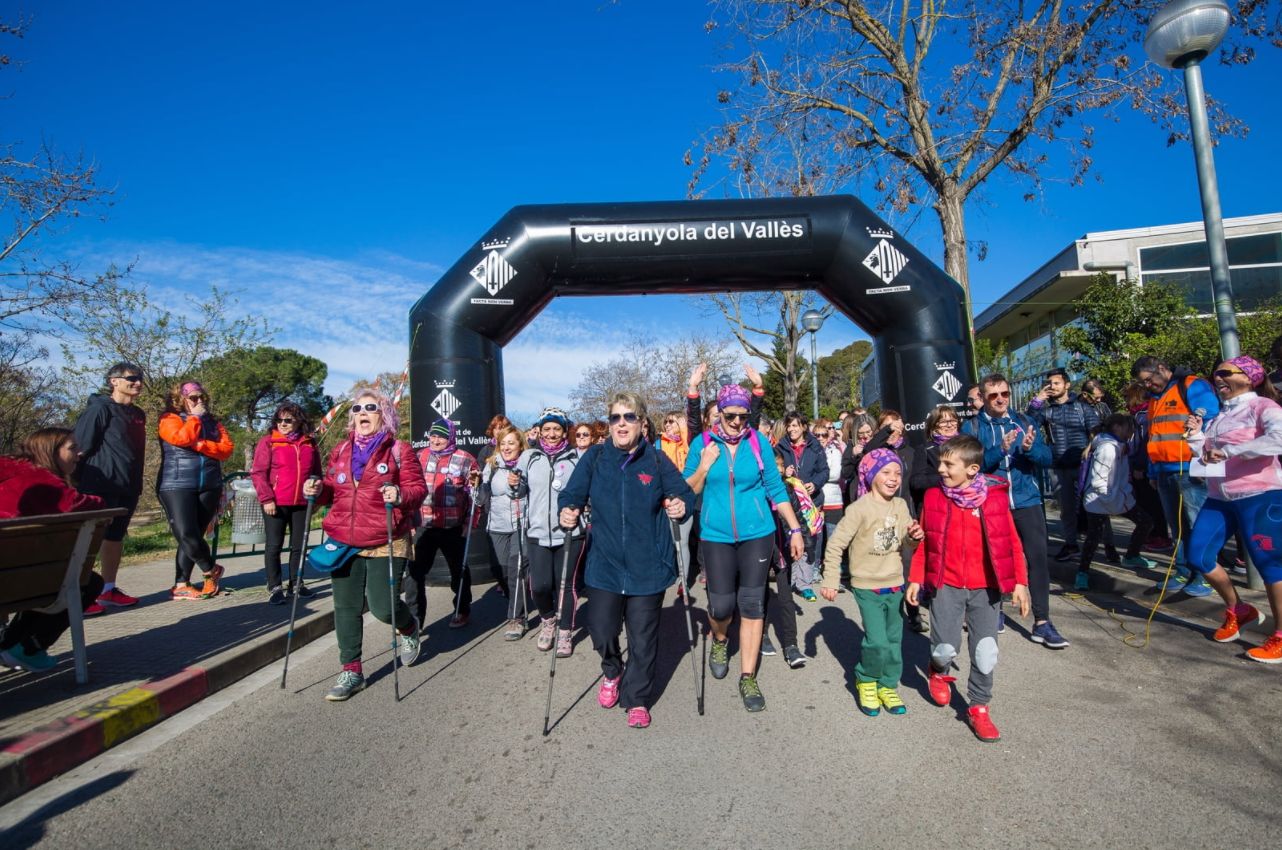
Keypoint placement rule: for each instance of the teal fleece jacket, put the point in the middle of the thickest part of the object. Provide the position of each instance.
(738, 501)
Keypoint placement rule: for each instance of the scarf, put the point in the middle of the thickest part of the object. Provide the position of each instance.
(896, 443)
(720, 431)
(292, 436)
(443, 428)
(363, 449)
(968, 496)
(939, 439)
(553, 449)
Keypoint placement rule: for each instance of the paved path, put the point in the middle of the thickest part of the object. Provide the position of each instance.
(1175, 745)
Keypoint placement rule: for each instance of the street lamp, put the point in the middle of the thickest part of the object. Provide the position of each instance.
(1181, 35)
(812, 321)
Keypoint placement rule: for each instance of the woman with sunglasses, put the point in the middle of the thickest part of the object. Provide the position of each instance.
(498, 422)
(635, 492)
(582, 437)
(544, 469)
(1246, 437)
(739, 489)
(283, 461)
(193, 445)
(369, 470)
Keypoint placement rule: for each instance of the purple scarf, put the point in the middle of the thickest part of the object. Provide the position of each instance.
(939, 439)
(363, 449)
(968, 496)
(443, 428)
(896, 443)
(719, 429)
(553, 449)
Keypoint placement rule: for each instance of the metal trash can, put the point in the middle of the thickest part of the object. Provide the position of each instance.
(246, 515)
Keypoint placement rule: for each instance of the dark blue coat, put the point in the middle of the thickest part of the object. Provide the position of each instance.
(631, 550)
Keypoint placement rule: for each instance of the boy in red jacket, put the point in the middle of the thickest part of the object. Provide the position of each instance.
(970, 557)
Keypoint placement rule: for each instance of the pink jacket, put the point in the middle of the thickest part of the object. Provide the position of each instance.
(281, 466)
(1249, 431)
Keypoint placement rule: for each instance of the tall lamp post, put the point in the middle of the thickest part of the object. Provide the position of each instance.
(1181, 35)
(812, 321)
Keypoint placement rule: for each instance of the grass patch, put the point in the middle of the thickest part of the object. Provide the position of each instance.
(152, 540)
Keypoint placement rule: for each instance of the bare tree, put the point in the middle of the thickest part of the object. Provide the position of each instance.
(658, 371)
(924, 101)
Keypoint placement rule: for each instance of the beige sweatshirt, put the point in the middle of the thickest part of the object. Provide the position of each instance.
(873, 531)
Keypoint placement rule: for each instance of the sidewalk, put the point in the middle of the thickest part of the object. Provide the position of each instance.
(145, 664)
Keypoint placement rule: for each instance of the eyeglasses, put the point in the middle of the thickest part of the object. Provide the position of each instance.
(285, 420)
(368, 407)
(1002, 394)
(1224, 373)
(733, 417)
(132, 379)
(629, 417)
(947, 423)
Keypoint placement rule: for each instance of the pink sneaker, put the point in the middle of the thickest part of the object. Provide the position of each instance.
(564, 643)
(608, 696)
(94, 610)
(547, 634)
(638, 718)
(116, 598)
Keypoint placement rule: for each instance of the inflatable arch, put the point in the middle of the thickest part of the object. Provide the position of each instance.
(835, 245)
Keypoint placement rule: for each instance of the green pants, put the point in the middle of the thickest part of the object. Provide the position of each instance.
(361, 580)
(881, 658)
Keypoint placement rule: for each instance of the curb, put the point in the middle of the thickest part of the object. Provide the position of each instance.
(57, 747)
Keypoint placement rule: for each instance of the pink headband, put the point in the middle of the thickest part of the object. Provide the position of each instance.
(192, 387)
(1250, 367)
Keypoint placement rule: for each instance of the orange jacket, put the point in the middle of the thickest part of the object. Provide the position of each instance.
(187, 433)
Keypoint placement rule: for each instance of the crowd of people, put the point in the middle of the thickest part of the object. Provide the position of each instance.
(934, 537)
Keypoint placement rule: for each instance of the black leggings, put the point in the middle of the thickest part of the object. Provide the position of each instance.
(451, 543)
(291, 517)
(36, 630)
(737, 576)
(189, 513)
(546, 564)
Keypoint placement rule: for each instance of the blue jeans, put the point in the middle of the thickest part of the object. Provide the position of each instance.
(1180, 516)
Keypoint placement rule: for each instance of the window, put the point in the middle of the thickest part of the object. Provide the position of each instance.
(1255, 269)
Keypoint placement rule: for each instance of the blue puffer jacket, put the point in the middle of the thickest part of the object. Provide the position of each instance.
(1069, 426)
(1018, 467)
(632, 549)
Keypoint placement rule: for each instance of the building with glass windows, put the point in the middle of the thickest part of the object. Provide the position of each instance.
(1027, 317)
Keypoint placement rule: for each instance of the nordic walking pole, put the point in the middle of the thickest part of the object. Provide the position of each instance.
(560, 605)
(466, 573)
(302, 561)
(684, 590)
(391, 612)
(516, 527)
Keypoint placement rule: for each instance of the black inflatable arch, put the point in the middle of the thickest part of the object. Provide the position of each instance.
(835, 245)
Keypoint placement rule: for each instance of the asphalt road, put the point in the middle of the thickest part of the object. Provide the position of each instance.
(1176, 745)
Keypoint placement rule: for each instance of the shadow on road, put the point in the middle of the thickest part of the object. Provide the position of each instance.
(31, 830)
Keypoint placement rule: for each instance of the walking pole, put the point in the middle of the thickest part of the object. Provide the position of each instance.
(302, 561)
(516, 527)
(560, 605)
(683, 590)
(391, 615)
(466, 573)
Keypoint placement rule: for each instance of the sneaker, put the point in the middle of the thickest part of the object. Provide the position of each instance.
(808, 595)
(347, 684)
(794, 657)
(410, 646)
(719, 658)
(1082, 581)
(1001, 622)
(940, 687)
(751, 693)
(982, 725)
(1067, 552)
(868, 702)
(1171, 581)
(1047, 636)
(1197, 587)
(638, 718)
(32, 662)
(303, 590)
(278, 596)
(211, 580)
(1238, 567)
(564, 643)
(890, 701)
(608, 695)
(515, 629)
(547, 634)
(1269, 653)
(458, 621)
(1137, 563)
(1234, 621)
(94, 610)
(116, 598)
(1111, 556)
(185, 591)
(767, 647)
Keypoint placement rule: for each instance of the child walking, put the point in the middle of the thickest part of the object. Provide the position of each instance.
(971, 556)
(1106, 491)
(874, 528)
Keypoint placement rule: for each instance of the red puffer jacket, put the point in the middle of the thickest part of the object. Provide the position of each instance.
(281, 466)
(29, 490)
(982, 547)
(357, 516)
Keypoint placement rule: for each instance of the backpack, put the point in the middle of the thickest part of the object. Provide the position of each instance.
(752, 443)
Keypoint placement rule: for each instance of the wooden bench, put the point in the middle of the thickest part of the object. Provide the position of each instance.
(45, 559)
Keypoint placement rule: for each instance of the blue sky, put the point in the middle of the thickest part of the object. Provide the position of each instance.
(331, 160)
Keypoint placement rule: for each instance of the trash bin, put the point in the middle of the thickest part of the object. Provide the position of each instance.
(246, 515)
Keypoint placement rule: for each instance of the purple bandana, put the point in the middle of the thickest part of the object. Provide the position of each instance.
(939, 439)
(733, 395)
(1250, 367)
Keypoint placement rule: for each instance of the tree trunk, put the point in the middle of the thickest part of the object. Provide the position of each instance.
(790, 373)
(952, 222)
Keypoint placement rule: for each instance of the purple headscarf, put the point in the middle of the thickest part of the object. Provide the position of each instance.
(1250, 367)
(733, 395)
(872, 463)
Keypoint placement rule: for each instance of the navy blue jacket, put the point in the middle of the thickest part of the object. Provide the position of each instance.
(631, 549)
(1018, 467)
(1069, 426)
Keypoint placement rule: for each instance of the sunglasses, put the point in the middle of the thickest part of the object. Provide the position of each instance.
(1002, 394)
(821, 433)
(616, 418)
(368, 407)
(196, 398)
(583, 435)
(285, 420)
(733, 417)
(132, 379)
(1225, 373)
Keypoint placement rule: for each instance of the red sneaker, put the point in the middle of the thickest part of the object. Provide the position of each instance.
(982, 725)
(941, 687)
(116, 598)
(1234, 620)
(94, 610)
(608, 696)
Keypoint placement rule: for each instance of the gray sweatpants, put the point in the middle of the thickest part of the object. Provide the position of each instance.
(979, 608)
